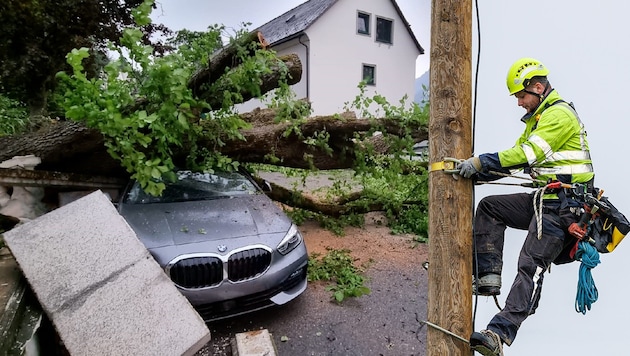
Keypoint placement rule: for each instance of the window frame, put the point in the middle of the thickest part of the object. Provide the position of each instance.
(378, 35)
(367, 18)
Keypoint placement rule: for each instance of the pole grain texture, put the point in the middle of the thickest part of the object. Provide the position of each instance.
(450, 199)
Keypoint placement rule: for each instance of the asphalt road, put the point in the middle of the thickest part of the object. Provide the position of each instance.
(385, 322)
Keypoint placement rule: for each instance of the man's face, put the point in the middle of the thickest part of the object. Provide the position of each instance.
(529, 101)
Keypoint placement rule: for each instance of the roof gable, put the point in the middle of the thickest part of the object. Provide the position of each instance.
(295, 21)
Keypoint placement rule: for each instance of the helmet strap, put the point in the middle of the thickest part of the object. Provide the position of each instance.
(540, 96)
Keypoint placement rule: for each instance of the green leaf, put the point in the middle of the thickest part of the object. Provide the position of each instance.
(155, 173)
(142, 12)
(169, 176)
(339, 296)
(183, 121)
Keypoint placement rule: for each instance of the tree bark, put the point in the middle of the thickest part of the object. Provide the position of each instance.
(64, 146)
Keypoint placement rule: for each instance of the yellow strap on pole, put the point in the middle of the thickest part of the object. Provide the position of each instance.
(448, 165)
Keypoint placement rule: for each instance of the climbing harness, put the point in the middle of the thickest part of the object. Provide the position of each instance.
(539, 202)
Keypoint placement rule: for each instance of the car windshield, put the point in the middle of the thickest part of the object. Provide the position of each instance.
(195, 186)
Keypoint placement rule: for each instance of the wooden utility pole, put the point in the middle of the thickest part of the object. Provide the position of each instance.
(450, 200)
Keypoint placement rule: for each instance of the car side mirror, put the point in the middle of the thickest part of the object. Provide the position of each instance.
(266, 187)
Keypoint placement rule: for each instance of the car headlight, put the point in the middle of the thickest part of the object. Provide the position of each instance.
(290, 241)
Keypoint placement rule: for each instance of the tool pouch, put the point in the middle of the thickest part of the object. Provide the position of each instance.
(609, 228)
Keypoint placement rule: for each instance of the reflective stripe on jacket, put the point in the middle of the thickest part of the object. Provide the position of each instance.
(553, 144)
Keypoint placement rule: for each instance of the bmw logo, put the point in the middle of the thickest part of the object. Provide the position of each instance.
(222, 248)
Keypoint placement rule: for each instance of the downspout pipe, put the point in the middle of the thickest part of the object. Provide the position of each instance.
(307, 66)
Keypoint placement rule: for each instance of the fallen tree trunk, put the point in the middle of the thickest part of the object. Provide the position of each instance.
(261, 141)
(223, 60)
(66, 146)
(33, 178)
(297, 199)
(214, 93)
(209, 83)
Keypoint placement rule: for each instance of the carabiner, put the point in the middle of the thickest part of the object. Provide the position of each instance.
(452, 165)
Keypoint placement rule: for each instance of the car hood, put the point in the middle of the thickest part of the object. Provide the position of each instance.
(168, 224)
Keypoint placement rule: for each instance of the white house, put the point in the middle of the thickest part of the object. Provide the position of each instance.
(340, 43)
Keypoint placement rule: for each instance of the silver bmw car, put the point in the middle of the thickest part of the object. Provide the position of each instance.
(226, 245)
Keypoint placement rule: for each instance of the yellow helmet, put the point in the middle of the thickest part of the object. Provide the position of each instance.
(522, 71)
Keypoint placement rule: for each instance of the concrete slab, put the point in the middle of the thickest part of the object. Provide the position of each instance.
(254, 343)
(99, 285)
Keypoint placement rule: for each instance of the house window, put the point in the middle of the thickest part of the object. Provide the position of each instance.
(369, 74)
(384, 30)
(363, 23)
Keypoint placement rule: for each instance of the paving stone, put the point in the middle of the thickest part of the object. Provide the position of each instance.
(254, 343)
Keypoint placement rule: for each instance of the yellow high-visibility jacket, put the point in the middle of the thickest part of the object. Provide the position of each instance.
(552, 147)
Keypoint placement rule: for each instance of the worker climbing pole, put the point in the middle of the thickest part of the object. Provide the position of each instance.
(564, 217)
(559, 216)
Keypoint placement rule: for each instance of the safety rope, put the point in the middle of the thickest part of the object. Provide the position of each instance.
(538, 209)
(586, 289)
(538, 197)
(508, 175)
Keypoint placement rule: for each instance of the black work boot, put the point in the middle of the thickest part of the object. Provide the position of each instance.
(487, 343)
(487, 285)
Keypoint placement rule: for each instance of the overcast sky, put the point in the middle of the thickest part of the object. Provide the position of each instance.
(586, 49)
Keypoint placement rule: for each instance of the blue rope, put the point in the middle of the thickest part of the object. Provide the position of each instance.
(586, 289)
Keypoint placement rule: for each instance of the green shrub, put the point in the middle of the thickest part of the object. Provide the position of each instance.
(13, 116)
(337, 267)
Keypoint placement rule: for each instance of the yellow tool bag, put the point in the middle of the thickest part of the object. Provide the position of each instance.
(609, 228)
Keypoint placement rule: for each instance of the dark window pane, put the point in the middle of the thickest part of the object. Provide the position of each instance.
(369, 75)
(383, 30)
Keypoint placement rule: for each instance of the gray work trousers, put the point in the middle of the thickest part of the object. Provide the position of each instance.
(494, 214)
